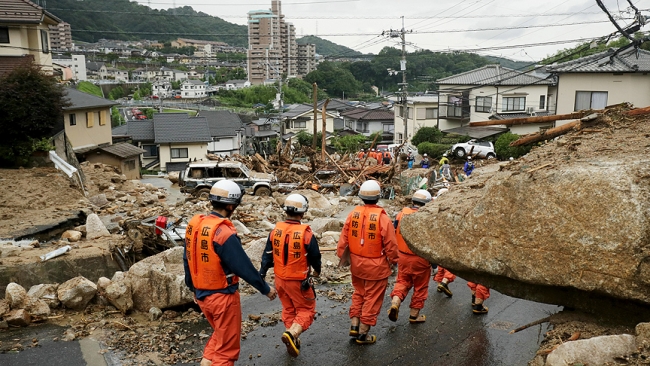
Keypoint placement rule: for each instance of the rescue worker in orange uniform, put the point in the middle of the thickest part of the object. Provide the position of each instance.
(369, 237)
(414, 271)
(373, 154)
(361, 154)
(214, 260)
(443, 277)
(386, 157)
(480, 293)
(291, 249)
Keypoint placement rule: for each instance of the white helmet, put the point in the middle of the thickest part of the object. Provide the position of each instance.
(425, 154)
(296, 204)
(372, 149)
(469, 158)
(445, 155)
(441, 191)
(370, 190)
(362, 150)
(225, 191)
(421, 196)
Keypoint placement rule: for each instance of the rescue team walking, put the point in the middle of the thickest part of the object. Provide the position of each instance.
(214, 261)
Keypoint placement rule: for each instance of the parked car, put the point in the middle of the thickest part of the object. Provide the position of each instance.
(198, 177)
(482, 149)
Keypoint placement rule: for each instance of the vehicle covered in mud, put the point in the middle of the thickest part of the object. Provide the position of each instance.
(198, 178)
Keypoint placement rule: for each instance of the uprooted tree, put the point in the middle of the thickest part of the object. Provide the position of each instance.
(32, 104)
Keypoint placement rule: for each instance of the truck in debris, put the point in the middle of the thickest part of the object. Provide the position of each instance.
(198, 177)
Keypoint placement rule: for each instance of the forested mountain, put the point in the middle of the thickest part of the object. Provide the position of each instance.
(122, 19)
(327, 48)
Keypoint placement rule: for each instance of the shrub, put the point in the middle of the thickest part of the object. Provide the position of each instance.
(505, 151)
(426, 134)
(433, 150)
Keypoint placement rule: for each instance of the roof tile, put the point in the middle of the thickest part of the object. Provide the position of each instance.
(493, 75)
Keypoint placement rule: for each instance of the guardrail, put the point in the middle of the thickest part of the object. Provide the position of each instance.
(68, 169)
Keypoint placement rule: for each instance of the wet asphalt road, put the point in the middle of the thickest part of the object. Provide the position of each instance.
(452, 335)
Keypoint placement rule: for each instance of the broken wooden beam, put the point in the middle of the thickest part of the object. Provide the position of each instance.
(548, 134)
(527, 120)
(638, 111)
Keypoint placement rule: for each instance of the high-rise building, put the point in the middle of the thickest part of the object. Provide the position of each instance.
(306, 58)
(272, 47)
(61, 37)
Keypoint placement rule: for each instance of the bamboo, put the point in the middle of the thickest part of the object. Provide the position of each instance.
(527, 120)
(549, 134)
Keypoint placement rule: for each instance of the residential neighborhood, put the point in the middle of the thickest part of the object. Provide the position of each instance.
(155, 156)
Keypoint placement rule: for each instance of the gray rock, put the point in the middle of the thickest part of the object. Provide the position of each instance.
(642, 331)
(18, 318)
(95, 228)
(154, 313)
(4, 307)
(76, 293)
(118, 276)
(99, 200)
(299, 168)
(69, 335)
(321, 225)
(37, 307)
(265, 225)
(316, 200)
(592, 351)
(159, 281)
(72, 235)
(119, 295)
(3, 324)
(103, 283)
(241, 228)
(10, 251)
(47, 293)
(16, 295)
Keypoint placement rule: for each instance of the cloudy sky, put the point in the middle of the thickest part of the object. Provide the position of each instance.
(526, 30)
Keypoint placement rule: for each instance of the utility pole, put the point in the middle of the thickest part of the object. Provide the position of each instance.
(315, 97)
(402, 35)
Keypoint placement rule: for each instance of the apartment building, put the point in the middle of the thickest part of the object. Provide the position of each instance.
(272, 47)
(61, 37)
(306, 58)
(76, 63)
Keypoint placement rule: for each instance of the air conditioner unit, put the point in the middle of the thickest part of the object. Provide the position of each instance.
(530, 110)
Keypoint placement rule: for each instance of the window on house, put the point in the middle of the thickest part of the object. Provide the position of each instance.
(179, 153)
(100, 118)
(431, 113)
(45, 44)
(389, 128)
(299, 124)
(4, 34)
(265, 128)
(348, 124)
(399, 138)
(150, 151)
(590, 100)
(542, 101)
(73, 119)
(483, 104)
(129, 164)
(89, 119)
(514, 104)
(362, 126)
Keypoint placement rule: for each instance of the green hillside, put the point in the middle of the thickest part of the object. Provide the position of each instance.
(327, 48)
(121, 19)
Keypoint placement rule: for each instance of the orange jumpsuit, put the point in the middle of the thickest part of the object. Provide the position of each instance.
(481, 292)
(223, 312)
(370, 275)
(298, 306)
(413, 271)
(360, 155)
(442, 274)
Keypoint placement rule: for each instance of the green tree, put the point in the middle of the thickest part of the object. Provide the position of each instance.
(348, 144)
(503, 149)
(33, 103)
(117, 118)
(426, 134)
(149, 112)
(433, 150)
(116, 93)
(336, 80)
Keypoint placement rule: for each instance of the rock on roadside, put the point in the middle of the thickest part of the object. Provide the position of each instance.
(45, 292)
(95, 227)
(593, 351)
(18, 318)
(76, 293)
(16, 295)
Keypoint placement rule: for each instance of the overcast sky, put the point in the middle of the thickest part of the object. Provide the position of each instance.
(439, 25)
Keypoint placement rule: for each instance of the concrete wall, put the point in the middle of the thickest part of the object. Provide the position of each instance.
(122, 164)
(194, 151)
(632, 88)
(81, 135)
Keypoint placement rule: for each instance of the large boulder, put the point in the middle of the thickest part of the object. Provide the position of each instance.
(95, 228)
(593, 351)
(159, 281)
(76, 293)
(576, 230)
(46, 292)
(316, 200)
(16, 295)
(323, 224)
(119, 295)
(18, 318)
(37, 307)
(255, 249)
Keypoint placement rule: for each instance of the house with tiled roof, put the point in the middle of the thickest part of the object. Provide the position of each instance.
(122, 155)
(368, 121)
(602, 79)
(489, 92)
(87, 120)
(169, 140)
(193, 89)
(226, 131)
(24, 33)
